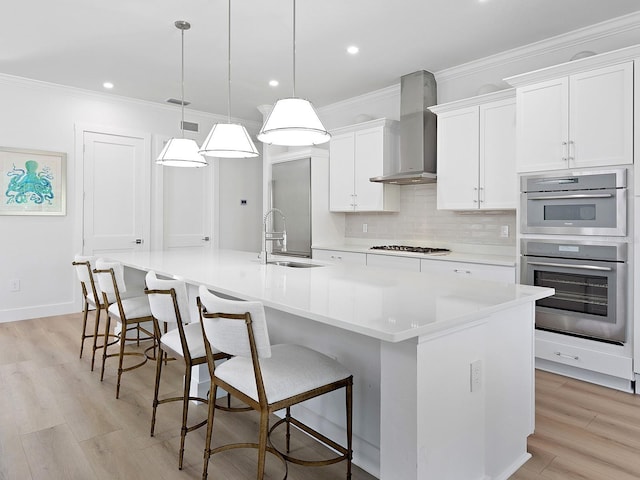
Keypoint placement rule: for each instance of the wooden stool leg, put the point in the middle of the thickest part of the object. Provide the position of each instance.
(349, 396)
(156, 389)
(185, 413)
(104, 350)
(210, 415)
(262, 447)
(123, 337)
(85, 314)
(96, 329)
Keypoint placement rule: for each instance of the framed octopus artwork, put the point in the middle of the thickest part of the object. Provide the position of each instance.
(32, 182)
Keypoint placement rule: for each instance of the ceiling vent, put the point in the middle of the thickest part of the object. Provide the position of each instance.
(177, 101)
(191, 126)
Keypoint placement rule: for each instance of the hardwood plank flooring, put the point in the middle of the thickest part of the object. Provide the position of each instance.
(58, 421)
(583, 431)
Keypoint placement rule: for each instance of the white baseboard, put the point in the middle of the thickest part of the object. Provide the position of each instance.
(39, 311)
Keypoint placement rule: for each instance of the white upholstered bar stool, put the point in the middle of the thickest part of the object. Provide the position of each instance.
(267, 378)
(92, 300)
(168, 300)
(130, 312)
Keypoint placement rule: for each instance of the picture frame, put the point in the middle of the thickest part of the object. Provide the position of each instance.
(32, 182)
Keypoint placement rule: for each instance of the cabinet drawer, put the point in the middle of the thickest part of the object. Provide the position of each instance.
(338, 256)
(392, 261)
(601, 362)
(479, 271)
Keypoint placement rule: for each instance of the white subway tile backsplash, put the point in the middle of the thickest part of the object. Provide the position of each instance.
(419, 220)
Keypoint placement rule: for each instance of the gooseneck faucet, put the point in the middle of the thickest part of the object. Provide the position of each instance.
(273, 236)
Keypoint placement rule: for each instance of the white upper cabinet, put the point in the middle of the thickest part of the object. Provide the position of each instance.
(357, 153)
(476, 153)
(584, 119)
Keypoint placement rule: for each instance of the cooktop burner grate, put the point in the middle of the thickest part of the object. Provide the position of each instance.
(406, 248)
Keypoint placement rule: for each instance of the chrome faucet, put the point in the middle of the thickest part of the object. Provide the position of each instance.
(273, 236)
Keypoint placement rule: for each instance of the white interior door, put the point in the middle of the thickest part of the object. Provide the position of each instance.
(116, 192)
(188, 205)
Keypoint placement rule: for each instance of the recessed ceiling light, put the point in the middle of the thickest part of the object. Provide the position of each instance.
(274, 83)
(353, 49)
(107, 85)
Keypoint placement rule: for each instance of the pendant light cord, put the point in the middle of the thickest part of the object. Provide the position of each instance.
(294, 48)
(229, 65)
(182, 84)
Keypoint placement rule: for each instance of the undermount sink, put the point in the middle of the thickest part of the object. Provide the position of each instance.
(286, 263)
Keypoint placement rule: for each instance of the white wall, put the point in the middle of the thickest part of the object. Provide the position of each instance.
(38, 250)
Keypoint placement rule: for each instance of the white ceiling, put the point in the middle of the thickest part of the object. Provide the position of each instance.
(134, 44)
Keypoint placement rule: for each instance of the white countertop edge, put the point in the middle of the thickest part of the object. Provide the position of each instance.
(486, 259)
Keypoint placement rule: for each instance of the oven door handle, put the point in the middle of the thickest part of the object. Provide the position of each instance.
(572, 196)
(565, 265)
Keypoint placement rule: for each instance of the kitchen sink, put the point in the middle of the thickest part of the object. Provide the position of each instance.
(286, 263)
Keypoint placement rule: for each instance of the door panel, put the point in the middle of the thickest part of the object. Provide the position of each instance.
(116, 193)
(187, 207)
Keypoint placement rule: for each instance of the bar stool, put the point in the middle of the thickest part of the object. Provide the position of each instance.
(91, 299)
(267, 378)
(129, 311)
(168, 300)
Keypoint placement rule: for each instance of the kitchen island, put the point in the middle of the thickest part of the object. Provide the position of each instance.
(443, 367)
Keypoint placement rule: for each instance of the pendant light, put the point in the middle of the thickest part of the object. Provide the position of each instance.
(229, 140)
(181, 152)
(293, 121)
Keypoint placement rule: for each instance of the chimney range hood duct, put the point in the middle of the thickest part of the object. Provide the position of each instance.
(417, 162)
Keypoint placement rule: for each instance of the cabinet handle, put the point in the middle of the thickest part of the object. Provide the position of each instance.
(566, 152)
(572, 146)
(336, 257)
(206, 239)
(564, 355)
(460, 270)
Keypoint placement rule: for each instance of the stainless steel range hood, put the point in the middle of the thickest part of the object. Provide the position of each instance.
(417, 162)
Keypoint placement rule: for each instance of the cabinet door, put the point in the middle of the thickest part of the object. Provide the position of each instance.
(601, 117)
(498, 180)
(369, 156)
(338, 256)
(542, 126)
(341, 171)
(479, 271)
(457, 185)
(410, 264)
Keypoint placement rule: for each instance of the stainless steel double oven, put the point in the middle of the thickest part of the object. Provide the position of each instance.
(578, 225)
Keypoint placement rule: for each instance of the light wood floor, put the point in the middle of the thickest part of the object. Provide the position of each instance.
(58, 421)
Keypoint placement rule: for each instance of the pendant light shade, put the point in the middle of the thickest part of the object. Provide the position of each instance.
(293, 121)
(229, 140)
(181, 152)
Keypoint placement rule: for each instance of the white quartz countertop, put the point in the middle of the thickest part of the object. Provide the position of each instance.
(453, 256)
(385, 304)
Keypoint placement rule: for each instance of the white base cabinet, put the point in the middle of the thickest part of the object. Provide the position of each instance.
(476, 153)
(339, 256)
(357, 153)
(479, 271)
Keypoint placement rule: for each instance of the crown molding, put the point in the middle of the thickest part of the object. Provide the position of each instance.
(580, 36)
(509, 93)
(381, 94)
(570, 39)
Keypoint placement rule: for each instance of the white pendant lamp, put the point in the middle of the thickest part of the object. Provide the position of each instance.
(229, 140)
(181, 152)
(293, 121)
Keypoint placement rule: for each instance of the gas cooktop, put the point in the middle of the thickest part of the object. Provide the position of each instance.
(406, 248)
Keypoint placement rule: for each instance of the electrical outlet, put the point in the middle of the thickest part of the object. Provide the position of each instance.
(365, 227)
(14, 285)
(475, 375)
(504, 231)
